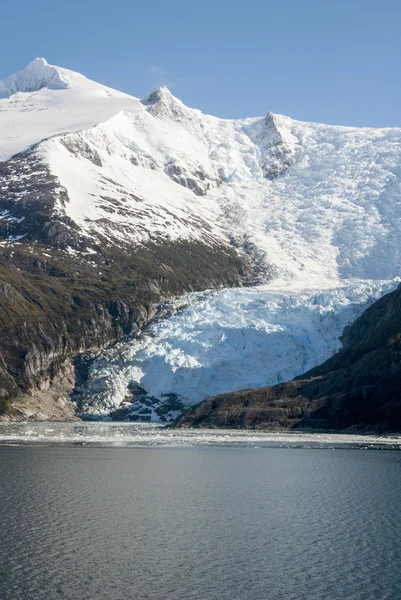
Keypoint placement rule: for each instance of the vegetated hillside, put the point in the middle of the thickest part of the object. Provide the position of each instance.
(55, 306)
(359, 387)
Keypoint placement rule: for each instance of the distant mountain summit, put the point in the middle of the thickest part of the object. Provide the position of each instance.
(37, 75)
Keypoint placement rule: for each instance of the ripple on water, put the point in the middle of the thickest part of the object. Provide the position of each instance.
(204, 523)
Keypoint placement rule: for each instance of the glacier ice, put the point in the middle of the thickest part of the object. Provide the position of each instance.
(319, 202)
(228, 340)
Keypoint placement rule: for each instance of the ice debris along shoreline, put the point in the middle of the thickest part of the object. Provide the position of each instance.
(146, 435)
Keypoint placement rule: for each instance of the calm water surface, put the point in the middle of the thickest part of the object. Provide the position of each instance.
(204, 522)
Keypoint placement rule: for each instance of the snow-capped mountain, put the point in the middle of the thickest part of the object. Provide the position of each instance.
(86, 169)
(316, 201)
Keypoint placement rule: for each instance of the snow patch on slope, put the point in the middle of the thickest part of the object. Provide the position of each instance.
(117, 184)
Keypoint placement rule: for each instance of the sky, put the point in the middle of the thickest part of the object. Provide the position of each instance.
(331, 61)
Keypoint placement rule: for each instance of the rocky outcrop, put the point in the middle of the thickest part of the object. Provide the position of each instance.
(359, 387)
(278, 148)
(29, 197)
(198, 181)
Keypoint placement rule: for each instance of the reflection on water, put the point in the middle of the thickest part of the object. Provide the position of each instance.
(145, 434)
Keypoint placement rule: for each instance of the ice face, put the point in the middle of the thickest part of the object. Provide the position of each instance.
(229, 340)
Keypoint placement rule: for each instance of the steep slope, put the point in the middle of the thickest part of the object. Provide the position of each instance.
(359, 387)
(55, 305)
(86, 264)
(132, 202)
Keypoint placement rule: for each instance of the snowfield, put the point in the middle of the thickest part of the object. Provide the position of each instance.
(317, 206)
(42, 101)
(318, 202)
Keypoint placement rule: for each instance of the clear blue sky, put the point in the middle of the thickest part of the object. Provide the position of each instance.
(334, 61)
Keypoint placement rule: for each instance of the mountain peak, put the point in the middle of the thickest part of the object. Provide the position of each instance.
(37, 75)
(159, 94)
(40, 61)
(162, 104)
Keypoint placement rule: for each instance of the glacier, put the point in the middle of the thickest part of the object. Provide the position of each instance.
(223, 341)
(316, 208)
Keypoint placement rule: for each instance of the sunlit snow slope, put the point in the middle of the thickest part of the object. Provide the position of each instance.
(315, 202)
(312, 206)
(42, 101)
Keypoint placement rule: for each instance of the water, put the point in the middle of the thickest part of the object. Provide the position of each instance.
(216, 521)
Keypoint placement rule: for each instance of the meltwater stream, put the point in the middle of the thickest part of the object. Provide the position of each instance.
(214, 521)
